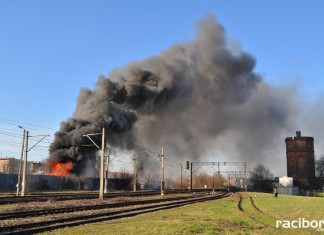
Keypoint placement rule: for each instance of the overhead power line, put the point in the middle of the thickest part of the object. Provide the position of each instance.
(30, 126)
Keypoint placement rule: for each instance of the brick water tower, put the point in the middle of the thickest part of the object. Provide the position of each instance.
(301, 160)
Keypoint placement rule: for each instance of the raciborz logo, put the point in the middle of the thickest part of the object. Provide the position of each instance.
(301, 223)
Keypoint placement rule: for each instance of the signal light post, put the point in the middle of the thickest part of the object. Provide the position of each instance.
(190, 174)
(187, 165)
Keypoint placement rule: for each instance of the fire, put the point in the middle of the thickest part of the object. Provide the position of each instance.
(59, 168)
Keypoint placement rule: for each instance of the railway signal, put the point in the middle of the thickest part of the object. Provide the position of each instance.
(187, 165)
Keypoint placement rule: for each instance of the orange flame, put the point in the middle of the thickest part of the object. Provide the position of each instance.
(60, 169)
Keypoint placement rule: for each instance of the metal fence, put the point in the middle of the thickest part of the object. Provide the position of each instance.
(34, 183)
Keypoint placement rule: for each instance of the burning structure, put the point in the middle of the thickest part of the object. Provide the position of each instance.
(301, 160)
(59, 169)
(184, 99)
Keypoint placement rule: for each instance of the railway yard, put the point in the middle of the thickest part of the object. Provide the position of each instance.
(45, 212)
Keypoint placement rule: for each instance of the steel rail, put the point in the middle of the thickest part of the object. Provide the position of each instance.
(62, 197)
(70, 209)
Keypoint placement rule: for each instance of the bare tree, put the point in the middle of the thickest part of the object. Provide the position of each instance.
(260, 177)
(212, 181)
(319, 167)
(201, 179)
(218, 180)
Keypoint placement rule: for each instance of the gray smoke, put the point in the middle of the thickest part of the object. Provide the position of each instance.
(191, 98)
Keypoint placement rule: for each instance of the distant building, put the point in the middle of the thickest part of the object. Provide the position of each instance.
(301, 160)
(11, 166)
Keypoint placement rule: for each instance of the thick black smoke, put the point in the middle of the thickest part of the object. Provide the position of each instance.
(184, 99)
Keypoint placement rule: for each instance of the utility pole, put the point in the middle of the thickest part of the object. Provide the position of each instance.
(213, 182)
(162, 173)
(26, 150)
(190, 177)
(107, 171)
(101, 175)
(245, 180)
(135, 174)
(161, 158)
(180, 176)
(24, 170)
(101, 193)
(20, 163)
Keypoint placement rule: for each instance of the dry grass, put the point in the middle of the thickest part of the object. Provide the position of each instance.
(217, 217)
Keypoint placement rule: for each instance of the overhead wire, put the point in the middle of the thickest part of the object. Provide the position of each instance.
(11, 138)
(10, 122)
(12, 134)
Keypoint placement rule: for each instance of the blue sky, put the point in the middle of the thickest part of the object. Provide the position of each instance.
(50, 49)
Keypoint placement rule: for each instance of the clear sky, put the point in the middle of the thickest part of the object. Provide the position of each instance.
(51, 49)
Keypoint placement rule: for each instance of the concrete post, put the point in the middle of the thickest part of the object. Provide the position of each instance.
(24, 176)
(101, 190)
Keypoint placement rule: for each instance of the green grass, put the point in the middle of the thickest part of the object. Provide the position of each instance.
(217, 217)
(311, 193)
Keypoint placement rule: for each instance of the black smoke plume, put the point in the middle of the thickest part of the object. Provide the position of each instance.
(185, 99)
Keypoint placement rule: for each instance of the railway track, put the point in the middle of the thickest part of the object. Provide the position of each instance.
(72, 196)
(142, 207)
(69, 209)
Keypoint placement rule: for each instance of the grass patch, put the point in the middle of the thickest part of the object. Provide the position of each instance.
(217, 217)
